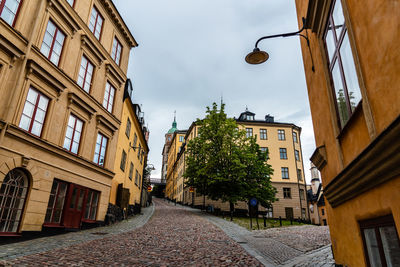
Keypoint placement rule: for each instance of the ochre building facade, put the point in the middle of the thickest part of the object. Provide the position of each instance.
(354, 98)
(62, 70)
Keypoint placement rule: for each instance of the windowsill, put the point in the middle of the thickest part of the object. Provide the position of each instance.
(348, 124)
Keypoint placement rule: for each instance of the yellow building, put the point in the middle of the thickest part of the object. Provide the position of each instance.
(130, 160)
(62, 72)
(282, 141)
(354, 100)
(172, 170)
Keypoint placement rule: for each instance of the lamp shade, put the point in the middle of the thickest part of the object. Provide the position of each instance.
(257, 56)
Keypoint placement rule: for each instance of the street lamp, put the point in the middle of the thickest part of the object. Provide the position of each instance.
(258, 56)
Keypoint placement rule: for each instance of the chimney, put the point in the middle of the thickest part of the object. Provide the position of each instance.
(314, 179)
(269, 118)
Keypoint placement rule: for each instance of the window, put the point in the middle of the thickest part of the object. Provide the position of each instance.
(263, 134)
(53, 42)
(299, 175)
(297, 155)
(137, 178)
(287, 192)
(9, 10)
(281, 135)
(134, 141)
(131, 171)
(109, 97)
(301, 191)
(73, 134)
(341, 64)
(116, 51)
(269, 212)
(140, 148)
(181, 138)
(100, 150)
(96, 23)
(56, 202)
(381, 241)
(264, 149)
(92, 201)
(322, 211)
(13, 192)
(85, 74)
(141, 157)
(289, 213)
(123, 160)
(303, 213)
(71, 2)
(283, 153)
(34, 112)
(128, 128)
(295, 137)
(285, 172)
(249, 132)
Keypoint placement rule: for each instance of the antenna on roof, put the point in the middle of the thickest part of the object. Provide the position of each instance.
(222, 98)
(247, 108)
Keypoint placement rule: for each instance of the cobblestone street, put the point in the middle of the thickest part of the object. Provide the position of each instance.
(174, 236)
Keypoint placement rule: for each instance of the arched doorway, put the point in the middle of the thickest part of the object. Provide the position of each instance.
(13, 192)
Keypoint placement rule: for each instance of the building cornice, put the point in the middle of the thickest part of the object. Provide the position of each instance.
(375, 165)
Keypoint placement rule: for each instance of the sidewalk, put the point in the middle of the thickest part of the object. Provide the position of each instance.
(12, 251)
(269, 251)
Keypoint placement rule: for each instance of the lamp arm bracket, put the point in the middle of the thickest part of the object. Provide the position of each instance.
(283, 34)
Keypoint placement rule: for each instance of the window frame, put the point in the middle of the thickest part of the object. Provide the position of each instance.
(249, 132)
(73, 134)
(32, 119)
(286, 171)
(95, 24)
(131, 167)
(297, 155)
(106, 105)
(73, 3)
(58, 29)
(263, 133)
(56, 198)
(86, 72)
(295, 137)
(122, 164)
(283, 152)
(287, 194)
(128, 128)
(2, 5)
(116, 50)
(281, 135)
(375, 224)
(337, 59)
(92, 208)
(105, 152)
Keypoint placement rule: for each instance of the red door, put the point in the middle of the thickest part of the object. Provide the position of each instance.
(74, 206)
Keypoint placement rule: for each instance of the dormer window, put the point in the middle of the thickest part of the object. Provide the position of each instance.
(250, 117)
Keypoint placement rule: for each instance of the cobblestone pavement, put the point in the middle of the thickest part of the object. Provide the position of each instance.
(11, 251)
(281, 246)
(173, 237)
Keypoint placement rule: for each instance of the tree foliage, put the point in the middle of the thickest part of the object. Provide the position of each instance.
(223, 164)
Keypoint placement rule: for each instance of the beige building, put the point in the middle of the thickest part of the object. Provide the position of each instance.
(131, 157)
(62, 70)
(282, 141)
(172, 168)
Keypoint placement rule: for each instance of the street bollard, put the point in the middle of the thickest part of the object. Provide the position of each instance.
(280, 221)
(291, 221)
(265, 221)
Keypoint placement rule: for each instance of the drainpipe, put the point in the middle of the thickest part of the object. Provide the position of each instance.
(295, 161)
(305, 184)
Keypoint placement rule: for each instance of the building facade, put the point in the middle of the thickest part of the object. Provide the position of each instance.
(172, 170)
(316, 199)
(131, 156)
(62, 68)
(282, 141)
(167, 144)
(354, 98)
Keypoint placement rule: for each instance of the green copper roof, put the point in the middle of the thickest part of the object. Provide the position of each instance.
(173, 129)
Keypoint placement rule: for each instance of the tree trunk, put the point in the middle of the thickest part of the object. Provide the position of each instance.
(231, 208)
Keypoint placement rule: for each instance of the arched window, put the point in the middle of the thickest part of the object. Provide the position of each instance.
(13, 193)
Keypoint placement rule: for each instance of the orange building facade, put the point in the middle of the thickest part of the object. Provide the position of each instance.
(63, 69)
(354, 98)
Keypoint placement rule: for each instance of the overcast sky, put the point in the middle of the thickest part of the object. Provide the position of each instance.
(192, 51)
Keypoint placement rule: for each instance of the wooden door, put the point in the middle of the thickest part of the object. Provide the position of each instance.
(74, 206)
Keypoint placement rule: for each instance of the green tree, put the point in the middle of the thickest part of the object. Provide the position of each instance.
(224, 164)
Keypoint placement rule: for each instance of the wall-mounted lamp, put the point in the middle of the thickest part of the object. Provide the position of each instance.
(258, 56)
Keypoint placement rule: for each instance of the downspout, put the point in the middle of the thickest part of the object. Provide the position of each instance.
(305, 183)
(297, 177)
